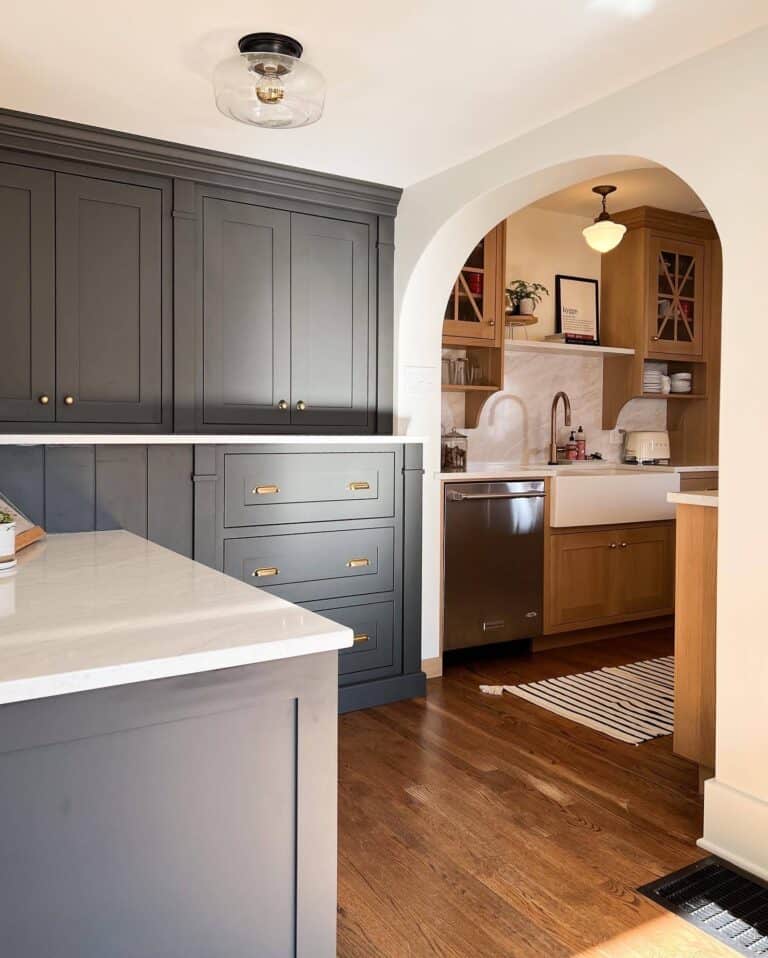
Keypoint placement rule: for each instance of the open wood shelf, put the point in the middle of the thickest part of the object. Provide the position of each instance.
(542, 346)
(455, 388)
(672, 396)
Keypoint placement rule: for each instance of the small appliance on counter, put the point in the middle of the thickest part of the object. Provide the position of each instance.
(647, 448)
(453, 452)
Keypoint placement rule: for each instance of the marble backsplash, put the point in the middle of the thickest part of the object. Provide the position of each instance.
(514, 424)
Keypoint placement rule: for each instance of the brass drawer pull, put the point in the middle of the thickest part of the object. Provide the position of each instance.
(357, 486)
(265, 490)
(360, 637)
(358, 563)
(267, 571)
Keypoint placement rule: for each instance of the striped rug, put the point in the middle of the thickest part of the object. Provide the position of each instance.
(633, 703)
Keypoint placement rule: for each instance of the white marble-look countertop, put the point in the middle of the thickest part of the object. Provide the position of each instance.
(489, 471)
(94, 609)
(190, 439)
(707, 497)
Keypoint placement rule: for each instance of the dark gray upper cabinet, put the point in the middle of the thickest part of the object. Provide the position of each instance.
(246, 314)
(332, 328)
(27, 318)
(109, 301)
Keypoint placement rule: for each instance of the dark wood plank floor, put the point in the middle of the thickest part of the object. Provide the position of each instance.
(475, 825)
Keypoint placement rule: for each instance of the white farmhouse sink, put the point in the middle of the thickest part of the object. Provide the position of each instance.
(605, 496)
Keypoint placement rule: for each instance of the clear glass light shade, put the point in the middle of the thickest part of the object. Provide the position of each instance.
(269, 89)
(604, 235)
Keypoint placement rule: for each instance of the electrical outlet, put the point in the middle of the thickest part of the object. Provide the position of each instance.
(617, 437)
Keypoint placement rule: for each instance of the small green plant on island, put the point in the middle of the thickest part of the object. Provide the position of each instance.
(5, 518)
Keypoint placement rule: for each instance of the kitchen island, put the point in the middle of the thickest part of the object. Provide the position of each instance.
(168, 759)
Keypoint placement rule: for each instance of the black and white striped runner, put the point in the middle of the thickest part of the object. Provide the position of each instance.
(633, 703)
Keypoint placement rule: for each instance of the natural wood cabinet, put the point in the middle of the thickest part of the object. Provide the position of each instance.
(603, 576)
(676, 305)
(474, 312)
(695, 628)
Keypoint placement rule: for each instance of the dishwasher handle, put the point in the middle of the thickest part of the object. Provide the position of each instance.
(465, 496)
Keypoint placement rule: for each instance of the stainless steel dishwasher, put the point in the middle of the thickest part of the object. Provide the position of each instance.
(493, 562)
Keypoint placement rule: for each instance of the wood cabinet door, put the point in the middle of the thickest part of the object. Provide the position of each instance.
(27, 311)
(109, 301)
(333, 326)
(246, 314)
(475, 307)
(645, 569)
(581, 580)
(676, 298)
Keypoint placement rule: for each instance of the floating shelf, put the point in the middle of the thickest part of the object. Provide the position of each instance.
(455, 388)
(542, 346)
(672, 396)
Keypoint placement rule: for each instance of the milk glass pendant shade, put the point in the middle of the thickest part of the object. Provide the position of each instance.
(604, 235)
(267, 84)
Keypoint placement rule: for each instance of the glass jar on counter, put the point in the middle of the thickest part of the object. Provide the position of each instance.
(453, 447)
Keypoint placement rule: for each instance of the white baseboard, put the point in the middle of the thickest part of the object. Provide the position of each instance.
(736, 827)
(432, 668)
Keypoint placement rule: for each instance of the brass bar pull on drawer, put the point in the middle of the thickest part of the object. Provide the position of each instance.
(265, 490)
(358, 563)
(360, 637)
(358, 486)
(267, 571)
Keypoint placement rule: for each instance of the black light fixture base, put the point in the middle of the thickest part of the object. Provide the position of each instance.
(270, 43)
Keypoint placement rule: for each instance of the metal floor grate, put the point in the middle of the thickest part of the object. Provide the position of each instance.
(721, 900)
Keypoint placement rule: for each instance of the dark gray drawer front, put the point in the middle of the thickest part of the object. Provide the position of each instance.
(315, 565)
(272, 488)
(374, 626)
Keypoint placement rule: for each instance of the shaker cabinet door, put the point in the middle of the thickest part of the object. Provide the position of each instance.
(109, 301)
(246, 314)
(27, 311)
(332, 323)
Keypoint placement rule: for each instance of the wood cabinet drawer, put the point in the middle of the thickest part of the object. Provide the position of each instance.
(377, 645)
(696, 481)
(272, 488)
(315, 565)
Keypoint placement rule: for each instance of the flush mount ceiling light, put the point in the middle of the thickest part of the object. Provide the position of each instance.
(604, 235)
(267, 84)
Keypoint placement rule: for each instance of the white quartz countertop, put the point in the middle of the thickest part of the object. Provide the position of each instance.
(94, 609)
(191, 439)
(703, 498)
(488, 471)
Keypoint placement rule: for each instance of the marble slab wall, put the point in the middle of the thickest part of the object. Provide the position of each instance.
(514, 424)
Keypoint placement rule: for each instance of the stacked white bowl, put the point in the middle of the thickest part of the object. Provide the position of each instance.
(681, 382)
(652, 380)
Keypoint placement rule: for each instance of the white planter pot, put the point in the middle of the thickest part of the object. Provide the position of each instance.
(526, 307)
(7, 542)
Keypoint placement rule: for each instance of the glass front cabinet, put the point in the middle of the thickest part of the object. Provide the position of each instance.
(474, 312)
(676, 300)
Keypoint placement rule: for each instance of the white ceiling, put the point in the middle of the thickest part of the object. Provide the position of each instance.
(414, 86)
(649, 186)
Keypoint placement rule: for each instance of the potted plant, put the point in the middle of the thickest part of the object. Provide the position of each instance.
(7, 539)
(525, 297)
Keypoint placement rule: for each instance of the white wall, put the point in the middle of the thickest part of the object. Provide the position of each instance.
(718, 144)
(515, 423)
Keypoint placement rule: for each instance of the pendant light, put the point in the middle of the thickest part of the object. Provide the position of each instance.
(604, 235)
(268, 84)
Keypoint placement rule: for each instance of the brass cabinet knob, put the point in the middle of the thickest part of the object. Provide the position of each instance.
(360, 637)
(43, 400)
(282, 405)
(655, 338)
(613, 545)
(358, 563)
(358, 486)
(491, 322)
(69, 400)
(265, 490)
(264, 573)
(624, 545)
(301, 405)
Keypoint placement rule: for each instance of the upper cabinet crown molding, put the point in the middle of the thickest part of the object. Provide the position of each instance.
(667, 222)
(75, 141)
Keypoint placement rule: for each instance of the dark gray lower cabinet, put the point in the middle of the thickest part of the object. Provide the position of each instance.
(27, 306)
(188, 817)
(109, 302)
(311, 541)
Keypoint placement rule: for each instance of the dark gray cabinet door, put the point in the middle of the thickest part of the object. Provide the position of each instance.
(246, 314)
(27, 333)
(109, 301)
(332, 333)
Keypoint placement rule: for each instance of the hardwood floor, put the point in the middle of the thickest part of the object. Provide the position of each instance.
(475, 825)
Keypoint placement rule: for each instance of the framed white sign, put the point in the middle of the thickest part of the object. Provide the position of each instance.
(577, 310)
